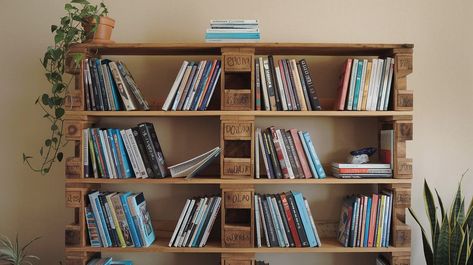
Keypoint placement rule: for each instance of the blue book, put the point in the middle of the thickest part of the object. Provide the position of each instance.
(97, 210)
(359, 73)
(307, 153)
(145, 227)
(129, 219)
(210, 90)
(121, 262)
(210, 36)
(387, 209)
(115, 154)
(208, 211)
(112, 84)
(313, 155)
(122, 152)
(390, 212)
(200, 87)
(305, 219)
(275, 221)
(94, 236)
(367, 222)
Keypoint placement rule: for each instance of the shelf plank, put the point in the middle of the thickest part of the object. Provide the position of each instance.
(209, 113)
(260, 48)
(329, 245)
(219, 181)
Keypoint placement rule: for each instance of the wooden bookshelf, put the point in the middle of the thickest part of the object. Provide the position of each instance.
(398, 117)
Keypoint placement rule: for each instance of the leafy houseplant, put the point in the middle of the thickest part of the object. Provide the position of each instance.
(451, 241)
(78, 25)
(13, 253)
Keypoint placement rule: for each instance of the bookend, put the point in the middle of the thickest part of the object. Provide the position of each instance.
(237, 216)
(238, 259)
(403, 98)
(237, 83)
(237, 143)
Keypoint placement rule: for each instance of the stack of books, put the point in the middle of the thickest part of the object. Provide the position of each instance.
(287, 154)
(285, 84)
(123, 153)
(365, 221)
(109, 261)
(108, 85)
(233, 30)
(195, 222)
(365, 84)
(341, 170)
(194, 86)
(118, 219)
(285, 220)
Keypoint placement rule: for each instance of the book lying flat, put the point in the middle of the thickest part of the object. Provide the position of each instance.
(341, 165)
(193, 166)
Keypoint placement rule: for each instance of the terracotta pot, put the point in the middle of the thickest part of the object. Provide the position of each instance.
(103, 32)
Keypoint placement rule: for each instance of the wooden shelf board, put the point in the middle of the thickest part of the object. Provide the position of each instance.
(329, 245)
(239, 113)
(218, 181)
(260, 48)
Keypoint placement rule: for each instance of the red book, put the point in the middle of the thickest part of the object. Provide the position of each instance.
(363, 170)
(343, 85)
(301, 153)
(207, 83)
(374, 211)
(277, 144)
(290, 221)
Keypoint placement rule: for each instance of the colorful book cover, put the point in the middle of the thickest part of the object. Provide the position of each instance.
(115, 219)
(367, 222)
(129, 218)
(346, 217)
(98, 213)
(313, 155)
(305, 219)
(307, 154)
(122, 152)
(92, 229)
(359, 73)
(146, 226)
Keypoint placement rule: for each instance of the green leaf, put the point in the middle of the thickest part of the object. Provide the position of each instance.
(68, 7)
(431, 213)
(463, 257)
(59, 113)
(77, 57)
(469, 217)
(456, 207)
(53, 28)
(41, 151)
(442, 250)
(59, 36)
(60, 155)
(439, 199)
(45, 99)
(65, 21)
(456, 242)
(82, 2)
(47, 142)
(58, 87)
(54, 127)
(428, 253)
(45, 170)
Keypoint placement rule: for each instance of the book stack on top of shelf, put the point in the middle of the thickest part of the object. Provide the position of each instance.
(108, 85)
(369, 170)
(123, 153)
(233, 30)
(195, 222)
(285, 220)
(194, 86)
(365, 221)
(285, 84)
(118, 220)
(365, 84)
(109, 261)
(287, 154)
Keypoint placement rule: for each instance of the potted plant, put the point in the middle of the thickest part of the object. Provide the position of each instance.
(451, 235)
(13, 253)
(83, 22)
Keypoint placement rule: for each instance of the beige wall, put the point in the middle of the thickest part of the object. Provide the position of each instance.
(442, 81)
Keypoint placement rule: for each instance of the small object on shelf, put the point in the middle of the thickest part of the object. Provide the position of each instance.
(366, 170)
(233, 30)
(361, 156)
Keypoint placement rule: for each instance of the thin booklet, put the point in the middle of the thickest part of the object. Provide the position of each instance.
(193, 166)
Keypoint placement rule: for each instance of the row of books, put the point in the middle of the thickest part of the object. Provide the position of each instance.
(118, 219)
(194, 86)
(369, 170)
(365, 84)
(285, 84)
(233, 30)
(285, 220)
(365, 221)
(195, 222)
(287, 154)
(123, 153)
(109, 261)
(108, 85)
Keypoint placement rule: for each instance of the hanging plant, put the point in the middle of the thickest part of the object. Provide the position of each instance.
(79, 24)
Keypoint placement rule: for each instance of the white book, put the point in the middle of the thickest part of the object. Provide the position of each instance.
(184, 223)
(281, 87)
(85, 152)
(257, 222)
(312, 223)
(137, 154)
(263, 84)
(256, 142)
(384, 84)
(376, 166)
(186, 78)
(214, 212)
(192, 90)
(280, 222)
(374, 85)
(285, 155)
(189, 167)
(390, 80)
(297, 81)
(351, 88)
(131, 156)
(179, 222)
(213, 87)
(185, 235)
(108, 87)
(104, 144)
(230, 30)
(362, 84)
(234, 21)
(377, 88)
(122, 89)
(374, 71)
(175, 85)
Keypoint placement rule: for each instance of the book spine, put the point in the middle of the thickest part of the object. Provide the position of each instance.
(274, 219)
(289, 159)
(359, 72)
(307, 155)
(89, 85)
(374, 71)
(163, 168)
(107, 153)
(101, 82)
(108, 87)
(92, 229)
(257, 154)
(264, 222)
(192, 91)
(269, 84)
(85, 81)
(207, 84)
(212, 85)
(98, 154)
(179, 222)
(93, 160)
(384, 84)
(203, 242)
(264, 87)
(343, 85)
(362, 84)
(257, 85)
(276, 87)
(121, 218)
(96, 83)
(374, 210)
(185, 222)
(140, 150)
(104, 154)
(85, 153)
(388, 224)
(257, 221)
(304, 86)
(115, 155)
(187, 230)
(129, 218)
(204, 223)
(351, 90)
(127, 171)
(174, 87)
(266, 156)
(108, 221)
(297, 82)
(367, 222)
(197, 221)
(305, 219)
(273, 240)
(366, 85)
(130, 84)
(277, 141)
(298, 172)
(291, 86)
(121, 239)
(313, 154)
(389, 85)
(379, 80)
(281, 89)
(284, 83)
(300, 153)
(136, 219)
(151, 152)
(283, 218)
(278, 215)
(290, 221)
(122, 89)
(363, 170)
(313, 95)
(273, 155)
(354, 223)
(297, 219)
(115, 92)
(312, 223)
(98, 213)
(130, 153)
(201, 86)
(190, 83)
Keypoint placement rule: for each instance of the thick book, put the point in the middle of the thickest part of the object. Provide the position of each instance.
(314, 156)
(125, 94)
(285, 222)
(193, 166)
(151, 133)
(343, 85)
(92, 229)
(131, 85)
(144, 220)
(297, 219)
(133, 154)
(133, 230)
(313, 95)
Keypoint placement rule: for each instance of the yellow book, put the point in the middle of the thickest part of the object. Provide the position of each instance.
(115, 219)
(366, 87)
(379, 233)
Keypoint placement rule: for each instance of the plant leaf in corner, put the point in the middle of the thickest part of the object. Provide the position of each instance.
(59, 113)
(60, 155)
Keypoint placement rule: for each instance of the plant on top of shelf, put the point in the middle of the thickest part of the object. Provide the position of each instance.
(13, 253)
(78, 25)
(451, 240)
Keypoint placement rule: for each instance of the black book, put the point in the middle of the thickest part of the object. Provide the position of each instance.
(103, 89)
(290, 154)
(267, 153)
(313, 98)
(275, 83)
(297, 219)
(89, 86)
(273, 240)
(300, 172)
(154, 148)
(144, 154)
(205, 223)
(273, 155)
(108, 220)
(96, 84)
(304, 86)
(284, 220)
(85, 79)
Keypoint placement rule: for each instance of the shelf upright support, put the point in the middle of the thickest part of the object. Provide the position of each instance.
(238, 259)
(403, 98)
(75, 99)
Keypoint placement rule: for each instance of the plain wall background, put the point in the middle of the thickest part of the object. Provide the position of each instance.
(442, 82)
